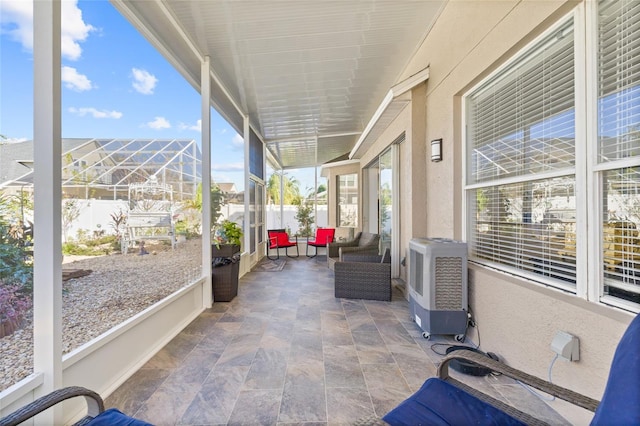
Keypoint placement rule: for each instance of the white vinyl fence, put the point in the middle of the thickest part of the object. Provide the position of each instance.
(95, 215)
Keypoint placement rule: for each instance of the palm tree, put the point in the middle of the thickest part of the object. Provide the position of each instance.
(311, 192)
(291, 189)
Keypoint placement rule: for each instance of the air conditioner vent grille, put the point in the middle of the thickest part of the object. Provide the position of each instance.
(448, 273)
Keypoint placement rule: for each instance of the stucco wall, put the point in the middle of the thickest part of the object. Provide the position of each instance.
(517, 318)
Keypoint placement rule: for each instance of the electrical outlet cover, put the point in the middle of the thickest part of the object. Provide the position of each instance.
(566, 345)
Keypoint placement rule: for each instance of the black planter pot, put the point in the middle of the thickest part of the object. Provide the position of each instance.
(225, 250)
(225, 271)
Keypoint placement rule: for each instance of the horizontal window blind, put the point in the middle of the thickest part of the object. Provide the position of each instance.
(521, 124)
(522, 121)
(619, 138)
(620, 239)
(521, 154)
(526, 226)
(618, 80)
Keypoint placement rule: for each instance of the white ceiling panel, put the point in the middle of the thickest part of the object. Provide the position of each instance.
(299, 69)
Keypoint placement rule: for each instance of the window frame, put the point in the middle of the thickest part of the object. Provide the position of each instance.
(596, 170)
(470, 188)
(340, 204)
(588, 172)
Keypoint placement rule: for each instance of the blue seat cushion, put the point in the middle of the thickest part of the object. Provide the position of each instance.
(440, 403)
(113, 417)
(620, 403)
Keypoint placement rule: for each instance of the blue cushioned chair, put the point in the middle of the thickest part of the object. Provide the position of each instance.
(96, 414)
(443, 400)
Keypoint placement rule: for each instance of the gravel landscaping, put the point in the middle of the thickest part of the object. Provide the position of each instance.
(119, 287)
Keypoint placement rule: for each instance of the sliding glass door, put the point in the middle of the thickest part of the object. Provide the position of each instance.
(385, 198)
(382, 205)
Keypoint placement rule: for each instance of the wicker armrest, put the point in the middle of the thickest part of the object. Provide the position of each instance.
(358, 250)
(499, 367)
(333, 249)
(95, 405)
(360, 257)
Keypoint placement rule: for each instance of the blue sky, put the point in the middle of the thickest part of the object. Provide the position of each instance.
(114, 85)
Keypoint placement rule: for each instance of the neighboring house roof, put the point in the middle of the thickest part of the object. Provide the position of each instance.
(11, 156)
(228, 187)
(16, 159)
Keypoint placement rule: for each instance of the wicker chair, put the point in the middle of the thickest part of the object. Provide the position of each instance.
(363, 243)
(96, 414)
(363, 276)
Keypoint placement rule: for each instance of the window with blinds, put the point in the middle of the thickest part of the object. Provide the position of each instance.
(521, 163)
(522, 121)
(619, 145)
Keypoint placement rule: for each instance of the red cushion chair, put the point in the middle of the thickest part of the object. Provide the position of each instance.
(323, 237)
(278, 238)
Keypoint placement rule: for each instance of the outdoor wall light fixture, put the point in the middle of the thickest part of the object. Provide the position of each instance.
(436, 150)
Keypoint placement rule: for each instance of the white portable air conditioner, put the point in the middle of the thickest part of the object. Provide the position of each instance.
(438, 299)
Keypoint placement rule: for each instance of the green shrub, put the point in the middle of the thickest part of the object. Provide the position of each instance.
(106, 239)
(91, 245)
(305, 218)
(15, 264)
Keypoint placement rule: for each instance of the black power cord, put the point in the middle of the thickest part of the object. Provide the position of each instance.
(467, 367)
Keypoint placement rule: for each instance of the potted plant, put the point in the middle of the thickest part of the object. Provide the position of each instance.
(227, 238)
(225, 253)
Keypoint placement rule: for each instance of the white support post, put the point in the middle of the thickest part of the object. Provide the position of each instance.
(315, 196)
(282, 199)
(395, 208)
(47, 286)
(205, 132)
(315, 187)
(247, 181)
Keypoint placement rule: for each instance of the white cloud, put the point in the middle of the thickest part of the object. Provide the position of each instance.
(237, 141)
(74, 30)
(95, 113)
(143, 81)
(16, 18)
(196, 127)
(228, 167)
(159, 123)
(74, 80)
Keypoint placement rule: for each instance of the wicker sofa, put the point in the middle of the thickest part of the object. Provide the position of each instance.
(363, 276)
(363, 243)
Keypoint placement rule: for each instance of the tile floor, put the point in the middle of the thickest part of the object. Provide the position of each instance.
(285, 351)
